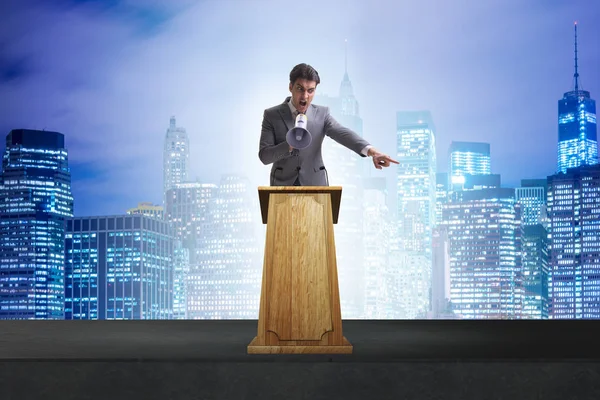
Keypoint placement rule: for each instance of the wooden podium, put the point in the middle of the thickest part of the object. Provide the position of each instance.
(300, 301)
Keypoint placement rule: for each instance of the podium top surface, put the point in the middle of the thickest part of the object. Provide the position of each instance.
(265, 191)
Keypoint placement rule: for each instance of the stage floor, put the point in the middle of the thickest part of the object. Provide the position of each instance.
(227, 340)
(74, 360)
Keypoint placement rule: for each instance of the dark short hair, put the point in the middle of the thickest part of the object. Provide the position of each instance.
(304, 71)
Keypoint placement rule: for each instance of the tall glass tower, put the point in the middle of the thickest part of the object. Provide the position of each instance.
(344, 168)
(416, 191)
(574, 214)
(416, 179)
(176, 157)
(485, 234)
(577, 140)
(35, 199)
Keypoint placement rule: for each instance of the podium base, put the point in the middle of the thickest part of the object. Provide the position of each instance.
(345, 348)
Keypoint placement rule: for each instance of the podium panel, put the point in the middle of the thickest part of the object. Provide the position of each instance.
(299, 306)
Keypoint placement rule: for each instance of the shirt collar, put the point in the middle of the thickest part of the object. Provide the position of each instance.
(292, 108)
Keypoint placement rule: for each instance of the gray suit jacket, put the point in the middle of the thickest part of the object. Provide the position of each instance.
(306, 165)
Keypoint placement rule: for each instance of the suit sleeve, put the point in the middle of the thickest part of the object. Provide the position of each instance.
(344, 136)
(269, 151)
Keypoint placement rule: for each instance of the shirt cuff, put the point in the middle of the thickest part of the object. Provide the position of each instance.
(365, 150)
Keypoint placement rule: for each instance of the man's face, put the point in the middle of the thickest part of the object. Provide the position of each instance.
(303, 92)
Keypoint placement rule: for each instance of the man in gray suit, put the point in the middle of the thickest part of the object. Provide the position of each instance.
(294, 167)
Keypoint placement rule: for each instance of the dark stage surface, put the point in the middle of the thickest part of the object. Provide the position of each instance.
(208, 360)
(226, 340)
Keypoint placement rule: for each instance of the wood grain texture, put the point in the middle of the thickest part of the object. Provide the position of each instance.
(300, 307)
(311, 303)
(299, 304)
(281, 267)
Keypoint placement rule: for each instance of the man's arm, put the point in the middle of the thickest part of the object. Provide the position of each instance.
(268, 151)
(353, 141)
(344, 136)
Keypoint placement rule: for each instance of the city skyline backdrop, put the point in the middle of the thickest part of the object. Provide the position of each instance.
(110, 74)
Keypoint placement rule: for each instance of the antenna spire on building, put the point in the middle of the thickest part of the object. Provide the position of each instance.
(346, 56)
(576, 75)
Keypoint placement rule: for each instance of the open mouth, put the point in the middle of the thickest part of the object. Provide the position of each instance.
(303, 103)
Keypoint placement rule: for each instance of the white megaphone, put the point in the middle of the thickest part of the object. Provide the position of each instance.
(299, 137)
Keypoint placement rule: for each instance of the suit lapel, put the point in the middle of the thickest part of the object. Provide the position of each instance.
(286, 115)
(311, 114)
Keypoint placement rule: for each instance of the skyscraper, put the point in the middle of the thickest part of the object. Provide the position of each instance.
(187, 211)
(574, 214)
(225, 281)
(416, 191)
(535, 272)
(35, 199)
(186, 208)
(577, 137)
(119, 267)
(175, 157)
(344, 168)
(416, 179)
(379, 296)
(468, 158)
(485, 234)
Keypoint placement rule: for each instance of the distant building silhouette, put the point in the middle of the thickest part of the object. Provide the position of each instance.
(176, 156)
(380, 300)
(148, 209)
(187, 212)
(416, 191)
(225, 280)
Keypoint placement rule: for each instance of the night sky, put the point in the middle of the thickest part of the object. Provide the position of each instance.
(109, 74)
